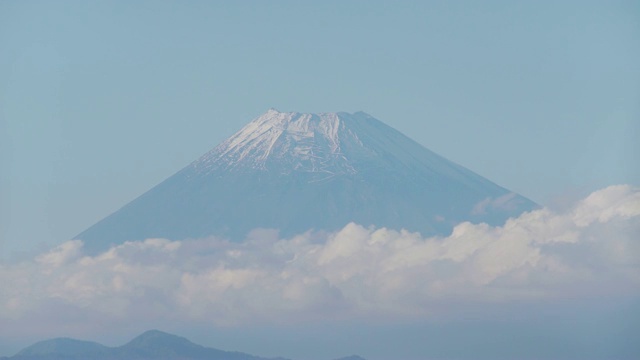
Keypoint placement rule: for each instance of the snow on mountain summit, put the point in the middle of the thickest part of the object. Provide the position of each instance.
(303, 142)
(323, 143)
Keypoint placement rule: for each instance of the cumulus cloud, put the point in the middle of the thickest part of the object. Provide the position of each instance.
(355, 272)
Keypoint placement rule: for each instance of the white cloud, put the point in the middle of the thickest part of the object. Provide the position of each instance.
(355, 272)
(60, 254)
(504, 202)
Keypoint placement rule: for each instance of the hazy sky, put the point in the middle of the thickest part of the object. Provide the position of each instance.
(101, 100)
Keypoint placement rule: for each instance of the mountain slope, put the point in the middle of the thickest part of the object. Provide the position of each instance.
(62, 347)
(156, 344)
(295, 172)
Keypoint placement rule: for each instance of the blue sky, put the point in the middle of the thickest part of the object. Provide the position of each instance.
(101, 100)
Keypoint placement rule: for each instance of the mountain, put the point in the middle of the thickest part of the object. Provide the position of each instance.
(151, 345)
(294, 172)
(156, 344)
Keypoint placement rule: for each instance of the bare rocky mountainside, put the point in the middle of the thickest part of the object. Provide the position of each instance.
(295, 172)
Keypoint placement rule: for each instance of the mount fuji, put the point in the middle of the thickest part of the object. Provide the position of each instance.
(294, 172)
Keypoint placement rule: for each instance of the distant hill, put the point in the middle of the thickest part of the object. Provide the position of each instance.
(151, 345)
(61, 347)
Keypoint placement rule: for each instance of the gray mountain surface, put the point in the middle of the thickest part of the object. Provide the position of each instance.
(295, 172)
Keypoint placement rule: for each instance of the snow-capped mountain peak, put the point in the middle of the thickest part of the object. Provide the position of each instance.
(286, 141)
(295, 172)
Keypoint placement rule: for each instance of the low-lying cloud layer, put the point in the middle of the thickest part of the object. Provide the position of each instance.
(591, 249)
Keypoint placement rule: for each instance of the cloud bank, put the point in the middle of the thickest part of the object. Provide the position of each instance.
(358, 272)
